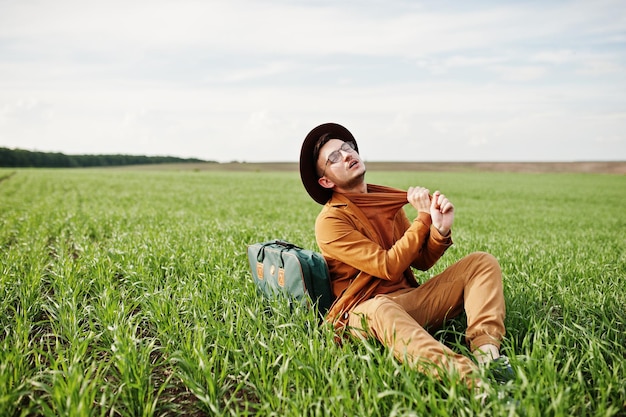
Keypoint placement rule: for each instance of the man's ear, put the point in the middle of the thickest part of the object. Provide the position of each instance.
(325, 182)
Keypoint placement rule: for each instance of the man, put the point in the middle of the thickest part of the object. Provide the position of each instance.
(370, 246)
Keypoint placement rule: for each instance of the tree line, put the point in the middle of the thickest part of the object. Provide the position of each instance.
(23, 158)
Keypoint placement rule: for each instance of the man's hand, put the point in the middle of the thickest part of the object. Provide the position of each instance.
(442, 213)
(419, 198)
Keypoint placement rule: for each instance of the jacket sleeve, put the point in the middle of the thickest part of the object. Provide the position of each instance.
(341, 237)
(432, 249)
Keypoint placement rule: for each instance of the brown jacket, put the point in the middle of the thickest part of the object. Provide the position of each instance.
(356, 257)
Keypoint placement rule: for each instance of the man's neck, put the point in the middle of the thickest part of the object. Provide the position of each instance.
(360, 188)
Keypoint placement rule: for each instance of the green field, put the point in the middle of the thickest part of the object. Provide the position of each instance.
(127, 293)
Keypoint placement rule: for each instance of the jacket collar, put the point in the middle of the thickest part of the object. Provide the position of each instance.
(339, 200)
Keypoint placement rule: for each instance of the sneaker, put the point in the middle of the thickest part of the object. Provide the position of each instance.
(500, 370)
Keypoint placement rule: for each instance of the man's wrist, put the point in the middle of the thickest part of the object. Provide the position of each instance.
(443, 232)
(424, 217)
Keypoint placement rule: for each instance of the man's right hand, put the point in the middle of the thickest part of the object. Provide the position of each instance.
(419, 198)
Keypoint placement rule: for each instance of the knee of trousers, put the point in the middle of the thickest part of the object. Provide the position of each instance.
(485, 257)
(485, 261)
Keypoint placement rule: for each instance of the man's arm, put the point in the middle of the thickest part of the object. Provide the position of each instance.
(441, 212)
(433, 249)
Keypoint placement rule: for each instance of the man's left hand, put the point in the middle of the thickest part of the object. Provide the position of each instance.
(442, 213)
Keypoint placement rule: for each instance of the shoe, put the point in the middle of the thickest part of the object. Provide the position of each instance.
(500, 370)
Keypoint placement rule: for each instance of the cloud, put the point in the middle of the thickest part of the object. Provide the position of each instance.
(602, 67)
(556, 57)
(520, 73)
(273, 68)
(26, 112)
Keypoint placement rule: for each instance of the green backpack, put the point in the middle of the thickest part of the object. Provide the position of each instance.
(282, 269)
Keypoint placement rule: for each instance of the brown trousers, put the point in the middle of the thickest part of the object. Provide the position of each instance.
(399, 320)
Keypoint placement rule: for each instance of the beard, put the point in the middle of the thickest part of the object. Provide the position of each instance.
(356, 180)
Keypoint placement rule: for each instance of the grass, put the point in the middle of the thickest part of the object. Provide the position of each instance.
(128, 293)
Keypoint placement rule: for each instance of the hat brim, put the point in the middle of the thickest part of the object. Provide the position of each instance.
(308, 169)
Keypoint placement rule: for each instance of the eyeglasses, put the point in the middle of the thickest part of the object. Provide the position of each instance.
(335, 156)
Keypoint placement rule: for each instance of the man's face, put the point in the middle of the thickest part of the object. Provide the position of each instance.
(348, 169)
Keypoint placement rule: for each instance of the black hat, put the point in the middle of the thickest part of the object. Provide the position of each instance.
(308, 158)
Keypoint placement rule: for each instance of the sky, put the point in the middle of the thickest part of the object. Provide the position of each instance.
(246, 80)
